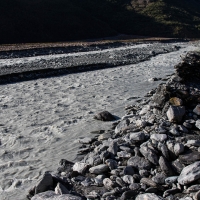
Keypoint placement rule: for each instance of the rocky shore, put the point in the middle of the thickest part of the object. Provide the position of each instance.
(152, 153)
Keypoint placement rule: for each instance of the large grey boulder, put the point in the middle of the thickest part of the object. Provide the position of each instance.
(197, 124)
(189, 174)
(148, 196)
(159, 137)
(138, 136)
(175, 113)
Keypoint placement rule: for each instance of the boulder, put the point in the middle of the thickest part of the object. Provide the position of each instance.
(148, 196)
(104, 116)
(175, 113)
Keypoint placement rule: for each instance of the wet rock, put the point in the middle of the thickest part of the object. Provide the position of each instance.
(175, 113)
(61, 189)
(138, 136)
(197, 110)
(99, 169)
(104, 116)
(159, 137)
(165, 166)
(139, 163)
(80, 167)
(175, 101)
(189, 173)
(122, 126)
(148, 196)
(45, 183)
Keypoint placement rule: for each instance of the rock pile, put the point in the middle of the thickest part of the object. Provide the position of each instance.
(152, 153)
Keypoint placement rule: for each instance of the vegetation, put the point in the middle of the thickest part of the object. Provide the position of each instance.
(62, 20)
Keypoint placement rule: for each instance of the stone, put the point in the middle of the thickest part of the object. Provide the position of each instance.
(128, 195)
(139, 163)
(99, 169)
(86, 140)
(196, 196)
(122, 126)
(159, 98)
(128, 170)
(123, 154)
(175, 113)
(174, 131)
(195, 143)
(178, 148)
(159, 178)
(193, 188)
(183, 128)
(44, 184)
(141, 123)
(149, 154)
(197, 109)
(189, 174)
(171, 191)
(113, 148)
(107, 183)
(80, 167)
(175, 101)
(112, 164)
(144, 110)
(128, 179)
(159, 137)
(138, 136)
(187, 125)
(148, 196)
(189, 157)
(170, 180)
(104, 136)
(61, 189)
(134, 186)
(197, 124)
(104, 116)
(177, 166)
(148, 181)
(51, 195)
(165, 166)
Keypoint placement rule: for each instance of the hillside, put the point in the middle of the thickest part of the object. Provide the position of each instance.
(62, 20)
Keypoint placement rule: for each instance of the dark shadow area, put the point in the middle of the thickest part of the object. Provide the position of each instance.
(25, 21)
